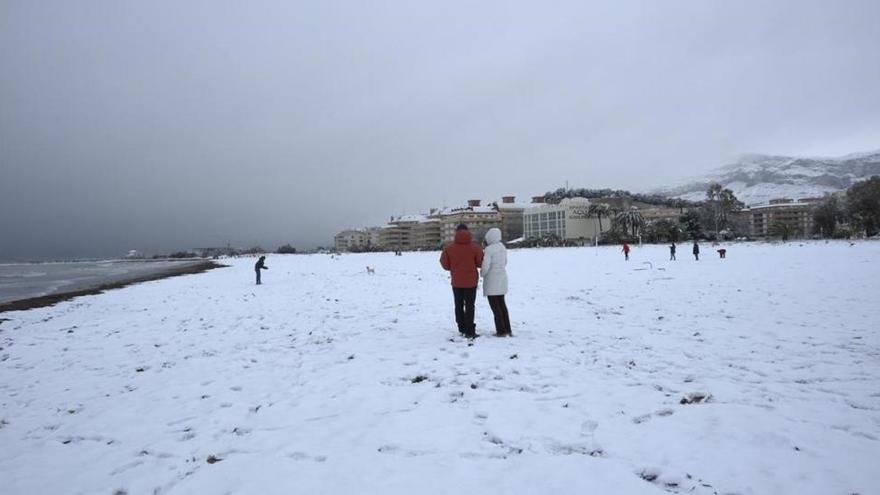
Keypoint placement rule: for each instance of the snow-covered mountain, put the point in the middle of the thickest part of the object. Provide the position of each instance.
(759, 178)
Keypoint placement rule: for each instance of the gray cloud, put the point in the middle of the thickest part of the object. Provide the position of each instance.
(167, 125)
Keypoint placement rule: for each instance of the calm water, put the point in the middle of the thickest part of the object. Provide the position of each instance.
(23, 281)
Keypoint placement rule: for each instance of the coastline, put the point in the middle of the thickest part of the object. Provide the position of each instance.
(55, 298)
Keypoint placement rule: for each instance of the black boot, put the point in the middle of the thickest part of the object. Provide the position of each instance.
(471, 333)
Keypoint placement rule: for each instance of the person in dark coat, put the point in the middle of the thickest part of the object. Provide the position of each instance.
(462, 258)
(625, 251)
(696, 251)
(260, 265)
(672, 251)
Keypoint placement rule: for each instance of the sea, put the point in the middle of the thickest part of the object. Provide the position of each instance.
(26, 280)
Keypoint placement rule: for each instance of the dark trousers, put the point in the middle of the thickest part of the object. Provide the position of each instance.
(464, 309)
(502, 319)
(258, 277)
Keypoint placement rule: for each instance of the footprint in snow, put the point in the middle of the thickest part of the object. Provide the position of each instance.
(396, 449)
(696, 398)
(675, 484)
(187, 434)
(588, 427)
(302, 456)
(558, 448)
(641, 419)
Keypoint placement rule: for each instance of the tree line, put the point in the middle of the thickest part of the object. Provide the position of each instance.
(855, 213)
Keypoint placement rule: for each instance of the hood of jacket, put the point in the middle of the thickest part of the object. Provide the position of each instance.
(493, 236)
(463, 236)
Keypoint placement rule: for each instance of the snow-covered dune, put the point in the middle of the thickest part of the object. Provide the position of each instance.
(756, 374)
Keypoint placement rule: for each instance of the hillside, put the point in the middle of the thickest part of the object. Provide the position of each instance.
(758, 178)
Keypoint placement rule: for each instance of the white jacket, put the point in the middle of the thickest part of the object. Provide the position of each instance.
(494, 269)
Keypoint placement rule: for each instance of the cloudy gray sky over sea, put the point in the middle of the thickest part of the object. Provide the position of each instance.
(168, 125)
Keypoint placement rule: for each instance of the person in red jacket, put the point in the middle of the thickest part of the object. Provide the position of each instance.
(462, 258)
(625, 251)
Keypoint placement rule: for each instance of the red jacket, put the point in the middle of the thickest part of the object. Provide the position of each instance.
(462, 258)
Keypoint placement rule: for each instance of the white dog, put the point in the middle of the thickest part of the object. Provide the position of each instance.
(371, 271)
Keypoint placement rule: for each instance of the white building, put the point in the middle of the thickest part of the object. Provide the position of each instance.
(353, 240)
(570, 219)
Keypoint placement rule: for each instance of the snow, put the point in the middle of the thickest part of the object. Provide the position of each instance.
(466, 209)
(307, 384)
(771, 177)
(804, 171)
(765, 191)
(411, 218)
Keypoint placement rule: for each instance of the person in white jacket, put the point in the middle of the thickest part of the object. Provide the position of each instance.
(494, 273)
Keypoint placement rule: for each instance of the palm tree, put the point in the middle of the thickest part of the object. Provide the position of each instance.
(631, 220)
(713, 196)
(722, 201)
(599, 210)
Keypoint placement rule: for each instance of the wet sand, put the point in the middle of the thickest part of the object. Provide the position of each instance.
(65, 295)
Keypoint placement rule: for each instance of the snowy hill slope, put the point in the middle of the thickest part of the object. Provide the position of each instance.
(759, 178)
(327, 380)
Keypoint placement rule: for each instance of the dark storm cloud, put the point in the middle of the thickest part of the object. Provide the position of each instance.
(164, 125)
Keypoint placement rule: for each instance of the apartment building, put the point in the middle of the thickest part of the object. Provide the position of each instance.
(479, 220)
(426, 234)
(356, 239)
(797, 215)
(351, 240)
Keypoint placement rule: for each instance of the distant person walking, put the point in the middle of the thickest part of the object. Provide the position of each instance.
(672, 251)
(260, 265)
(696, 251)
(494, 273)
(461, 258)
(625, 251)
(722, 253)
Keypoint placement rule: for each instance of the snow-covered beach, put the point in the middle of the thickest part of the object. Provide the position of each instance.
(755, 374)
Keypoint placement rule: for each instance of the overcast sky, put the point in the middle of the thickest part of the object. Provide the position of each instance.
(169, 125)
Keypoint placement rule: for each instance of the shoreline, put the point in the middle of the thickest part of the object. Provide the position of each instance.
(52, 299)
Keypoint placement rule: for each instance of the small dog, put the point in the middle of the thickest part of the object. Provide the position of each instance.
(371, 271)
(722, 253)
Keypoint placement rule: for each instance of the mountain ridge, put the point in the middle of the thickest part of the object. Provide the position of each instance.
(757, 178)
